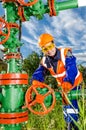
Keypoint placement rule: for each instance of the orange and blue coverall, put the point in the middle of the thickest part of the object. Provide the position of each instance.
(63, 67)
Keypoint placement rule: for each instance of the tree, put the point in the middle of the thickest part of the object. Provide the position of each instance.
(83, 71)
(31, 63)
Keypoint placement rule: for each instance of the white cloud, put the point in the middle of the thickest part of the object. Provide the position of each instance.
(29, 40)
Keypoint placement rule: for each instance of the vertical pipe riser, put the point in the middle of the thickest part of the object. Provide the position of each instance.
(12, 98)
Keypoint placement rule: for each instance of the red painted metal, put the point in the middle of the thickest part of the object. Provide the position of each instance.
(13, 78)
(13, 118)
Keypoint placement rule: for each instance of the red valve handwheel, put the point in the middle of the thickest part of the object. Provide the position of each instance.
(22, 2)
(4, 25)
(39, 99)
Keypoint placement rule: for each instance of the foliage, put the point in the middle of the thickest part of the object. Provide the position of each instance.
(3, 66)
(83, 71)
(31, 63)
(51, 81)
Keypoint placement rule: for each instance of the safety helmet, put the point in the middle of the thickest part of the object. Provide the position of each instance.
(44, 39)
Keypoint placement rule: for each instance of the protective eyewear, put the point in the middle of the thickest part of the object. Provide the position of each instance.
(47, 48)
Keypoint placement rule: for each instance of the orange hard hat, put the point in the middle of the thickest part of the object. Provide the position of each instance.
(44, 39)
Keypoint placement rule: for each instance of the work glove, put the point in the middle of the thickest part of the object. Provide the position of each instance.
(66, 87)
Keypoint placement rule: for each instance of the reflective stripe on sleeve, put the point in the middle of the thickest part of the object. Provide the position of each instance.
(62, 55)
(44, 61)
(77, 75)
(72, 111)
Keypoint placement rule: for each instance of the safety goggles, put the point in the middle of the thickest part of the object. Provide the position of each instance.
(47, 48)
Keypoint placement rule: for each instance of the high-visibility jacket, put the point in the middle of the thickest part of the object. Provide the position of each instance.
(63, 68)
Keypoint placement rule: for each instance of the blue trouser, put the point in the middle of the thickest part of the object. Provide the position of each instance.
(71, 111)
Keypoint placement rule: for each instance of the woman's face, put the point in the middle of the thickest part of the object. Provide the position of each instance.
(49, 49)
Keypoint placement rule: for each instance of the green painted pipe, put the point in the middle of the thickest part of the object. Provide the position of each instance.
(0, 97)
(72, 95)
(12, 97)
(11, 127)
(66, 5)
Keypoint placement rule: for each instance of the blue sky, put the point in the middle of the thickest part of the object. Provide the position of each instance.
(68, 29)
